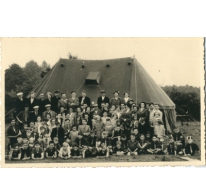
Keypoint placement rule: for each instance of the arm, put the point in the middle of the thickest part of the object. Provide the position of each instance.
(42, 155)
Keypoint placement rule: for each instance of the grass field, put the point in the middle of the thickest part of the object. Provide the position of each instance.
(193, 130)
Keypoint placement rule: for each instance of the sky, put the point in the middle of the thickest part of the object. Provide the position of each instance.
(169, 61)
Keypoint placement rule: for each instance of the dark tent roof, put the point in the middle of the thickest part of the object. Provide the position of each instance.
(122, 74)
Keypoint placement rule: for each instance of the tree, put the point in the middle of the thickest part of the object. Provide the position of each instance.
(45, 68)
(14, 78)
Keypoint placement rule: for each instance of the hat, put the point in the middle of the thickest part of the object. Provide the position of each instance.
(48, 105)
(103, 91)
(19, 94)
(57, 91)
(94, 105)
(42, 94)
(36, 107)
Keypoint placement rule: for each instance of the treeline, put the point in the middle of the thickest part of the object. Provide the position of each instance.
(186, 98)
(22, 79)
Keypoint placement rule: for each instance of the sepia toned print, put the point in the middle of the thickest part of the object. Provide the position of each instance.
(106, 108)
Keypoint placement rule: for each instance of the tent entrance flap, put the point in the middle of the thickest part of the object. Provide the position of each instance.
(93, 78)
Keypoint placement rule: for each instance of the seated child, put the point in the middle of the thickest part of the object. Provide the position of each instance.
(37, 152)
(41, 142)
(19, 142)
(28, 134)
(25, 151)
(116, 134)
(155, 147)
(136, 133)
(92, 139)
(102, 150)
(51, 151)
(179, 140)
(118, 150)
(142, 145)
(75, 152)
(78, 121)
(46, 140)
(132, 145)
(124, 141)
(31, 142)
(64, 152)
(36, 134)
(148, 137)
(15, 153)
(23, 131)
(171, 148)
(42, 132)
(38, 124)
(73, 135)
(57, 145)
(114, 120)
(191, 147)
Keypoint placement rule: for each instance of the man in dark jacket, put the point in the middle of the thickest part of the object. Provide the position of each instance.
(20, 103)
(58, 132)
(41, 103)
(102, 99)
(34, 114)
(84, 99)
(32, 101)
(55, 100)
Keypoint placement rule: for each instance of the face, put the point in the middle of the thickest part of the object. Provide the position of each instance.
(88, 109)
(84, 122)
(59, 116)
(26, 108)
(53, 122)
(75, 148)
(154, 139)
(126, 95)
(118, 128)
(55, 140)
(70, 110)
(104, 114)
(41, 96)
(132, 137)
(25, 126)
(135, 108)
(86, 116)
(48, 108)
(98, 118)
(108, 123)
(148, 135)
(176, 131)
(118, 146)
(142, 122)
(135, 131)
(31, 140)
(58, 125)
(73, 94)
(156, 107)
(142, 138)
(92, 135)
(122, 106)
(13, 122)
(116, 94)
(19, 140)
(62, 109)
(78, 110)
(190, 141)
(31, 124)
(142, 105)
(157, 115)
(51, 146)
(28, 133)
(74, 128)
(83, 94)
(56, 94)
(42, 131)
(107, 104)
(37, 146)
(38, 118)
(151, 107)
(32, 95)
(25, 146)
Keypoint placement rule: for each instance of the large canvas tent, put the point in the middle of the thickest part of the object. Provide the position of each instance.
(122, 74)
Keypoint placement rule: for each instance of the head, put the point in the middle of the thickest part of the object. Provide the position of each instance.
(73, 94)
(102, 104)
(151, 106)
(67, 140)
(31, 140)
(132, 137)
(63, 96)
(118, 127)
(25, 126)
(26, 108)
(126, 94)
(86, 116)
(135, 131)
(98, 118)
(49, 95)
(108, 121)
(59, 116)
(189, 140)
(176, 130)
(37, 145)
(20, 95)
(58, 125)
(142, 105)
(88, 109)
(75, 147)
(105, 114)
(42, 130)
(39, 119)
(31, 124)
(28, 132)
(135, 108)
(171, 140)
(156, 106)
(74, 128)
(51, 145)
(25, 145)
(56, 93)
(32, 94)
(19, 140)
(122, 106)
(92, 133)
(79, 109)
(56, 140)
(116, 93)
(118, 145)
(13, 122)
(62, 109)
(157, 115)
(16, 147)
(148, 134)
(84, 121)
(154, 138)
(48, 107)
(142, 137)
(65, 145)
(83, 93)
(41, 96)
(53, 122)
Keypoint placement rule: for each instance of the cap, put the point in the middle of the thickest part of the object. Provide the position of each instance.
(57, 91)
(48, 105)
(19, 94)
(103, 91)
(42, 94)
(36, 107)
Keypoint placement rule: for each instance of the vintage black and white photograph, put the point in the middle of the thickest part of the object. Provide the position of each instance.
(103, 100)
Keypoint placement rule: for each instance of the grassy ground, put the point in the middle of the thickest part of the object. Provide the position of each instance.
(192, 130)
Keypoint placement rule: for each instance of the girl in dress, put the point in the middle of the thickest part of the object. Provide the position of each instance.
(98, 127)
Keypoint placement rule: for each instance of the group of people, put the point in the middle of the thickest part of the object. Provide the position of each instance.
(76, 127)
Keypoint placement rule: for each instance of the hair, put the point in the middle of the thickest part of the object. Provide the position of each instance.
(143, 103)
(154, 136)
(57, 123)
(84, 119)
(135, 128)
(151, 103)
(142, 135)
(51, 142)
(73, 92)
(156, 104)
(108, 119)
(126, 93)
(63, 94)
(74, 126)
(116, 92)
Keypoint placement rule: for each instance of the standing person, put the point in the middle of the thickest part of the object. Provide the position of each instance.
(41, 103)
(151, 111)
(142, 112)
(13, 132)
(34, 114)
(102, 99)
(63, 102)
(159, 130)
(20, 103)
(143, 127)
(49, 111)
(116, 100)
(73, 101)
(83, 99)
(32, 101)
(23, 117)
(157, 109)
(55, 100)
(48, 100)
(85, 130)
(126, 99)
